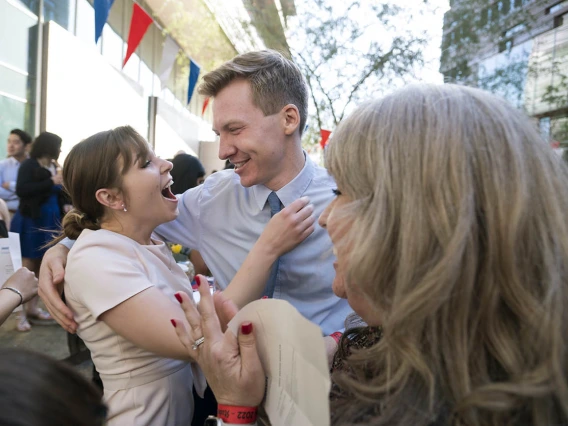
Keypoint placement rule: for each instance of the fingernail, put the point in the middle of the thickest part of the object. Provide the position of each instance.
(264, 297)
(246, 328)
(173, 321)
(197, 280)
(178, 297)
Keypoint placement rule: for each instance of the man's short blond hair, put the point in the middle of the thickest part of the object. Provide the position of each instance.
(275, 81)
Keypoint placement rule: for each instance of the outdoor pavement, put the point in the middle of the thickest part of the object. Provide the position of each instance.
(47, 339)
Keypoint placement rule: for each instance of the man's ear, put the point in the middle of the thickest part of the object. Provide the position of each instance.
(290, 119)
(110, 198)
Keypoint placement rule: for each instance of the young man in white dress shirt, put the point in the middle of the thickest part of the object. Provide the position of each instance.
(259, 113)
(18, 142)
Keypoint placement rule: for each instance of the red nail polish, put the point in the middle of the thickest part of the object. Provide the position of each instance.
(178, 297)
(197, 280)
(173, 321)
(246, 328)
(264, 297)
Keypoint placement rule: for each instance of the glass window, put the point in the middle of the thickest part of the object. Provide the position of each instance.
(516, 29)
(19, 26)
(146, 79)
(32, 5)
(132, 67)
(85, 21)
(157, 84)
(60, 11)
(13, 116)
(13, 82)
(113, 47)
(544, 124)
(558, 7)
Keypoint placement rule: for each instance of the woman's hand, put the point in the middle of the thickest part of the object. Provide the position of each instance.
(231, 364)
(57, 179)
(289, 227)
(25, 281)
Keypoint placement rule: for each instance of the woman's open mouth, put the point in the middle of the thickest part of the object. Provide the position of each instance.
(167, 192)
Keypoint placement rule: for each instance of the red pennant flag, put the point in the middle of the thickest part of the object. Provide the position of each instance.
(138, 26)
(324, 137)
(205, 103)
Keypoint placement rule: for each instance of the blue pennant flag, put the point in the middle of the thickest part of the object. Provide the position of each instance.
(102, 8)
(193, 74)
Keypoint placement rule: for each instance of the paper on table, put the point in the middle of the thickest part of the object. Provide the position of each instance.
(10, 256)
(292, 352)
(15, 250)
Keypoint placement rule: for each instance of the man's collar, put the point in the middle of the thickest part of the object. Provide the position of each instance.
(291, 191)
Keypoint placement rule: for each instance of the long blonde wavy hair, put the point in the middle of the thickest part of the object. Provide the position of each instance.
(459, 236)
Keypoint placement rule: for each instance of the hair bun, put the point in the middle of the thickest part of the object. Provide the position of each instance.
(75, 222)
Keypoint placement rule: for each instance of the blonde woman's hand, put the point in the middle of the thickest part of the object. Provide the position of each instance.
(230, 363)
(25, 281)
(289, 227)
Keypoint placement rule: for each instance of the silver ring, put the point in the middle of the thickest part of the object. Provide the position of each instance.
(198, 343)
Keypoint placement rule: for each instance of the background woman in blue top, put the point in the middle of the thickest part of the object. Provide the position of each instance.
(41, 200)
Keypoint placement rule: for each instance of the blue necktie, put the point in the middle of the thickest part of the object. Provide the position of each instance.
(275, 207)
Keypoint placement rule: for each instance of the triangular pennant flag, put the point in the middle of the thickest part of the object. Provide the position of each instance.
(205, 103)
(169, 53)
(102, 8)
(138, 26)
(324, 137)
(193, 75)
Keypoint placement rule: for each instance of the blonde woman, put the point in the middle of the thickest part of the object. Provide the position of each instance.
(451, 237)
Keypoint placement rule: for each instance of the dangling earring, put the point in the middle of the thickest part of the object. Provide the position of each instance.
(124, 208)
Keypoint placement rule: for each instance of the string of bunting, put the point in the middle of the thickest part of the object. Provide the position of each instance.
(139, 24)
(324, 137)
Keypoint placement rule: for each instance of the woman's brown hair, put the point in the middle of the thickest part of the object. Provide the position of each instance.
(36, 390)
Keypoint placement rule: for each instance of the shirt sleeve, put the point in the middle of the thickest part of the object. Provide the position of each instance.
(67, 242)
(6, 194)
(104, 275)
(185, 229)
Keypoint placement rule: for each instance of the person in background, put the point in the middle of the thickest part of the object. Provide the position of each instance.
(36, 390)
(39, 212)
(17, 149)
(229, 165)
(17, 290)
(188, 172)
(449, 225)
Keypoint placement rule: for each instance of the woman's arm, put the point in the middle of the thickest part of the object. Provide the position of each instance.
(5, 213)
(144, 320)
(24, 281)
(109, 277)
(285, 231)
